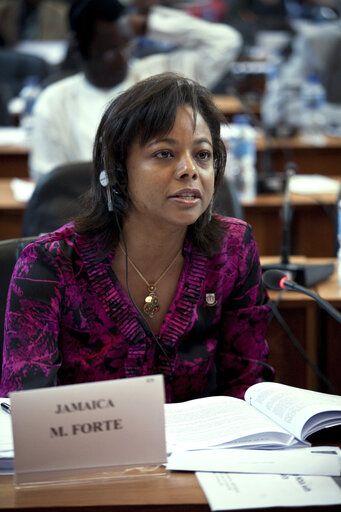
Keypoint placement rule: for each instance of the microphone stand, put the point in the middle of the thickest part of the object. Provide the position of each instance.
(271, 281)
(308, 274)
(291, 285)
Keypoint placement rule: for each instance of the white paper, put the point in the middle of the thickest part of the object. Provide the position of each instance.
(295, 461)
(108, 424)
(300, 411)
(310, 184)
(13, 136)
(233, 491)
(6, 441)
(6, 438)
(51, 51)
(22, 189)
(218, 420)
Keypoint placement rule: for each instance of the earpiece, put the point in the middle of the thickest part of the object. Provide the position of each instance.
(114, 194)
(104, 181)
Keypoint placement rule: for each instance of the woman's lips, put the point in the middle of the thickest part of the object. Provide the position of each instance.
(187, 194)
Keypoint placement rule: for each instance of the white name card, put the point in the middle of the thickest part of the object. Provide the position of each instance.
(66, 432)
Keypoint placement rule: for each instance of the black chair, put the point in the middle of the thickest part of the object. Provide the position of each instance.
(226, 201)
(56, 198)
(15, 68)
(9, 253)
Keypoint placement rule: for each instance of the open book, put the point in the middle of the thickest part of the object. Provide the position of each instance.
(271, 415)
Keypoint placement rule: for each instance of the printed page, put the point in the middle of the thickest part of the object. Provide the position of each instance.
(6, 438)
(299, 411)
(220, 420)
(232, 491)
(322, 460)
(6, 441)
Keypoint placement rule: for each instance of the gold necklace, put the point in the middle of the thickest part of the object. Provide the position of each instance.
(151, 301)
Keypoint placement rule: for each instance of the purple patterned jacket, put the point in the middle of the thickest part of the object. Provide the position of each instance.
(68, 319)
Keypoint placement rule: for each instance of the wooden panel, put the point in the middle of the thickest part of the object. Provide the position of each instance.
(312, 230)
(290, 366)
(13, 162)
(310, 159)
(11, 212)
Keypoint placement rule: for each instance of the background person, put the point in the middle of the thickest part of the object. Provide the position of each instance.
(147, 281)
(68, 112)
(34, 20)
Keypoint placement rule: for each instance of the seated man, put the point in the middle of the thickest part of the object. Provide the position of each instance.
(67, 112)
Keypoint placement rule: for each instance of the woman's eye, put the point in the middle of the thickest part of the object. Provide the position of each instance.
(204, 155)
(164, 154)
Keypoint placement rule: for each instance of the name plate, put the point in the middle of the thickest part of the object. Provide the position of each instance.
(99, 429)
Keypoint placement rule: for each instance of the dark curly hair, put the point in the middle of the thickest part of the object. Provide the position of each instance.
(146, 110)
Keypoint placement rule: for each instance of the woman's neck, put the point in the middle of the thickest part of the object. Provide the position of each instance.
(151, 249)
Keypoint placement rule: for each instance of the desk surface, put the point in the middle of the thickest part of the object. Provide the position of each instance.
(177, 492)
(310, 159)
(7, 200)
(264, 214)
(328, 289)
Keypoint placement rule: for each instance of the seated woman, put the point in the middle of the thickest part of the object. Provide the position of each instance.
(147, 280)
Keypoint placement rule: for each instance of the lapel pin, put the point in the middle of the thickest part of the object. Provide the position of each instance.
(210, 299)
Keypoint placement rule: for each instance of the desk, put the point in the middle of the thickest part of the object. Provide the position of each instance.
(317, 332)
(311, 216)
(177, 492)
(231, 105)
(11, 212)
(330, 349)
(310, 159)
(313, 230)
(13, 161)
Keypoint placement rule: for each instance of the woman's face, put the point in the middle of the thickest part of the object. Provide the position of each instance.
(171, 177)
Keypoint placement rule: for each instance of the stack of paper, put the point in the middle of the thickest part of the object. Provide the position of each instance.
(6, 442)
(254, 453)
(233, 491)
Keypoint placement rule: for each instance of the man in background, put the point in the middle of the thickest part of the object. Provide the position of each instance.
(67, 112)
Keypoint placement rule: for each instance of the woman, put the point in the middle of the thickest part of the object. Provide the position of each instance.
(147, 280)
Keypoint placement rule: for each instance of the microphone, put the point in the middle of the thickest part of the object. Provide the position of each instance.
(290, 169)
(307, 274)
(277, 280)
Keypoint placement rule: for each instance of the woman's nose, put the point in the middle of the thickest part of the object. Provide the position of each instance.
(187, 168)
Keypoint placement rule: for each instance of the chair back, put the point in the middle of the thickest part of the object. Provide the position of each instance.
(15, 68)
(56, 198)
(9, 253)
(226, 201)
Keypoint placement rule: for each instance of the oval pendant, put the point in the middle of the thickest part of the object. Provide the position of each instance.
(151, 304)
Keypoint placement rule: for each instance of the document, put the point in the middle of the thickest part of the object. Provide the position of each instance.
(22, 189)
(321, 460)
(6, 441)
(272, 415)
(233, 491)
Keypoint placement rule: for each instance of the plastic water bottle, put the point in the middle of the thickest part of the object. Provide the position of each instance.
(270, 105)
(313, 114)
(241, 160)
(28, 96)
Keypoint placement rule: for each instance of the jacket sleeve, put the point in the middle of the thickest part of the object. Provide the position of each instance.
(31, 357)
(204, 51)
(241, 359)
